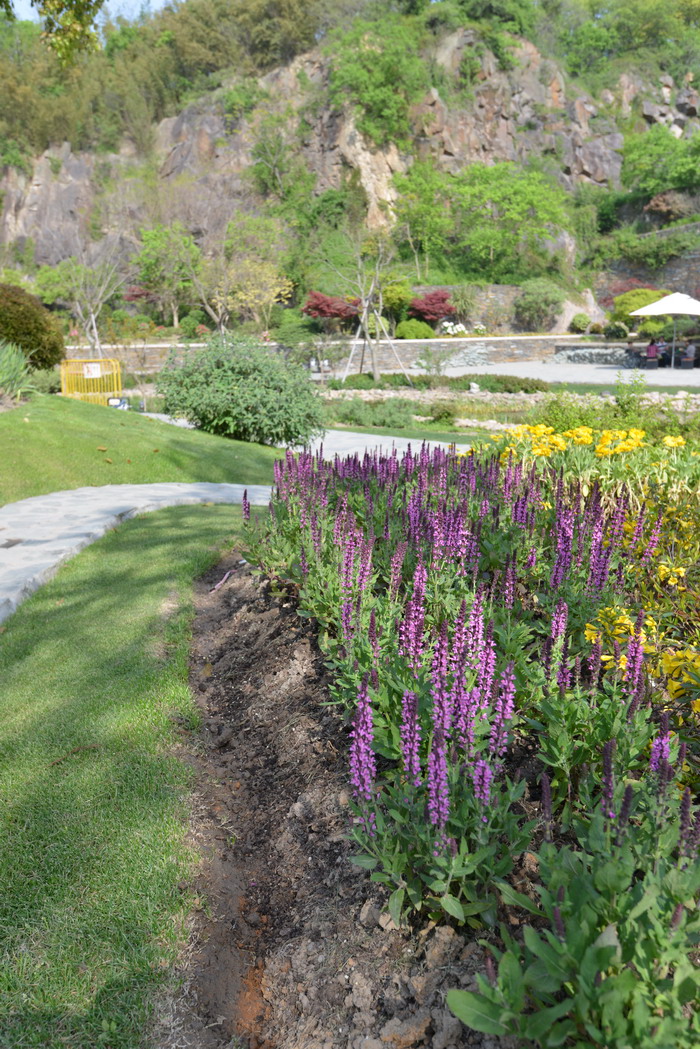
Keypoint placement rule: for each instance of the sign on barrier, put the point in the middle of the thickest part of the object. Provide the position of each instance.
(91, 380)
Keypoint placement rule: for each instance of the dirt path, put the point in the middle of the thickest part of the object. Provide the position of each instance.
(289, 948)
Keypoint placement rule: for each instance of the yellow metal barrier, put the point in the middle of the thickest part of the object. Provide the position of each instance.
(94, 380)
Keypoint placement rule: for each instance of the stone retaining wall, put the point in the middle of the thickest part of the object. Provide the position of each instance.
(464, 353)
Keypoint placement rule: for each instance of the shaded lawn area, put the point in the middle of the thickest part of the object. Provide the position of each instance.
(93, 800)
(54, 443)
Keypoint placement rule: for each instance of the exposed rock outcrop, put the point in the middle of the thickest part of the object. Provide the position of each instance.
(203, 157)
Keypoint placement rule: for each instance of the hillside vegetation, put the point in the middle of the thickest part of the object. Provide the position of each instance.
(239, 245)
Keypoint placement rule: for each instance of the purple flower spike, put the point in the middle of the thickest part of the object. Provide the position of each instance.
(410, 738)
(482, 777)
(559, 620)
(503, 715)
(246, 506)
(363, 764)
(438, 786)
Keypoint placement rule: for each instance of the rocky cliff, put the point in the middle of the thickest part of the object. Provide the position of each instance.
(201, 156)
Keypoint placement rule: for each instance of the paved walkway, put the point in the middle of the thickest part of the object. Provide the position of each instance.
(37, 535)
(601, 374)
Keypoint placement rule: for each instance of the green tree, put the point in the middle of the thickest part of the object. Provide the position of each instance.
(656, 160)
(503, 214)
(377, 68)
(424, 212)
(69, 25)
(164, 267)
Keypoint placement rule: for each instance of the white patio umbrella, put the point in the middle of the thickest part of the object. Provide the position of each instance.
(674, 305)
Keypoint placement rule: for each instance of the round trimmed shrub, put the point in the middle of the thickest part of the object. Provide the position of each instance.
(538, 304)
(579, 323)
(414, 329)
(240, 389)
(616, 330)
(29, 325)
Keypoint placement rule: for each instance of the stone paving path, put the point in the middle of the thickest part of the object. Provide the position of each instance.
(37, 535)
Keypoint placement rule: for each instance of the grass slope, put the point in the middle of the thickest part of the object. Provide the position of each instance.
(54, 443)
(94, 668)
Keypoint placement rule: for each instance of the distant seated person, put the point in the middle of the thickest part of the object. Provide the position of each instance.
(664, 350)
(652, 351)
(690, 351)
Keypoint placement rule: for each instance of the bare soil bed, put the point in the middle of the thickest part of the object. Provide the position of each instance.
(289, 947)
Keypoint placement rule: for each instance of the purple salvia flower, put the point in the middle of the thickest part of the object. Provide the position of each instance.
(487, 667)
(411, 629)
(509, 581)
(346, 618)
(653, 541)
(438, 786)
(363, 765)
(372, 634)
(660, 752)
(365, 569)
(246, 506)
(303, 563)
(559, 620)
(625, 810)
(441, 695)
(531, 559)
(396, 566)
(410, 738)
(503, 714)
(482, 777)
(594, 663)
(563, 675)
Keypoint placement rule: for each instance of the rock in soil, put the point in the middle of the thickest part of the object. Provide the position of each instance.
(287, 946)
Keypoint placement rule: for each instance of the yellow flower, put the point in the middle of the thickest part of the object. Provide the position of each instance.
(590, 632)
(674, 442)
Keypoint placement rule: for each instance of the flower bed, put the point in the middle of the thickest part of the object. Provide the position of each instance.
(513, 638)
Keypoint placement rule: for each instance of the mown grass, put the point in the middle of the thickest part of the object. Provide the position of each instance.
(54, 443)
(93, 801)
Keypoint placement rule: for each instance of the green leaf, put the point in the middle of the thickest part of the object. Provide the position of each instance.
(477, 1012)
(539, 1024)
(368, 863)
(510, 978)
(452, 906)
(396, 904)
(516, 899)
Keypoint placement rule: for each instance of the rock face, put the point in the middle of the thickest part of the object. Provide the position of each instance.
(203, 156)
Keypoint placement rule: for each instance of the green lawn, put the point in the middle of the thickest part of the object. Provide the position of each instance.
(94, 697)
(54, 443)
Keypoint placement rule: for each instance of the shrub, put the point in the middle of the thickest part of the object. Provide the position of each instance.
(242, 390)
(414, 329)
(616, 330)
(595, 329)
(329, 306)
(29, 325)
(579, 323)
(15, 374)
(538, 304)
(190, 324)
(432, 307)
(46, 380)
(623, 305)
